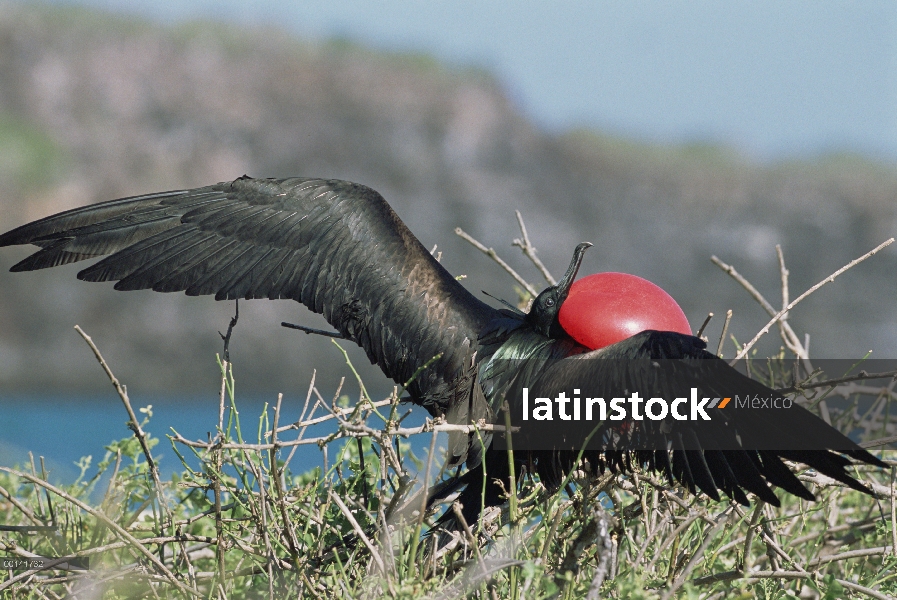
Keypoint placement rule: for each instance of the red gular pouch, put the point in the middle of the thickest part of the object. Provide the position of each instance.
(606, 308)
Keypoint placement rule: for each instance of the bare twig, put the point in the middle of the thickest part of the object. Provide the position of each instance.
(783, 273)
(292, 542)
(861, 553)
(494, 256)
(861, 376)
(133, 424)
(219, 522)
(824, 481)
(893, 511)
(25, 511)
(605, 547)
(359, 532)
(703, 326)
(336, 414)
(788, 335)
(230, 330)
(722, 336)
(348, 430)
(797, 300)
(457, 507)
(530, 251)
(426, 481)
(749, 537)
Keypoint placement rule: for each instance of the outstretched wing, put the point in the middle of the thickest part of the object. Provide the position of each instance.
(737, 449)
(335, 246)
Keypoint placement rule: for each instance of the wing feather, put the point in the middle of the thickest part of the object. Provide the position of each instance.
(132, 258)
(335, 246)
(737, 451)
(177, 278)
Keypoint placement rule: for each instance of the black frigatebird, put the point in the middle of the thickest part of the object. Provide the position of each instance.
(338, 248)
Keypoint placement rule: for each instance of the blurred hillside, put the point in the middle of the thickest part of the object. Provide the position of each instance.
(94, 107)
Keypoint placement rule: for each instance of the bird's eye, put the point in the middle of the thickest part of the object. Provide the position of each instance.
(549, 302)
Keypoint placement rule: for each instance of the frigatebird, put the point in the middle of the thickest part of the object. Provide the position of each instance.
(338, 248)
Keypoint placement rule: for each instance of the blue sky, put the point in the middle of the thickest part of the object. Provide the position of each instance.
(772, 79)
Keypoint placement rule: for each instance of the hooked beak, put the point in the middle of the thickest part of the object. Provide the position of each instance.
(566, 281)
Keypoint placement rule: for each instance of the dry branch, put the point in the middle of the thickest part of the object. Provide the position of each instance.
(797, 300)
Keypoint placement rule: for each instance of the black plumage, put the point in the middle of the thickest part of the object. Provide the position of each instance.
(338, 248)
(335, 246)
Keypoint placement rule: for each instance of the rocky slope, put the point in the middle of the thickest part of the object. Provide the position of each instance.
(94, 107)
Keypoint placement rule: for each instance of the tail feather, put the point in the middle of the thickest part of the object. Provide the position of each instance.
(710, 471)
(829, 464)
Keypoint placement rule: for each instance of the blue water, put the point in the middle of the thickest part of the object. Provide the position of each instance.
(64, 429)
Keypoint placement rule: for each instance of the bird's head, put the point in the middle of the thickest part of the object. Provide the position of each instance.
(603, 308)
(543, 316)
